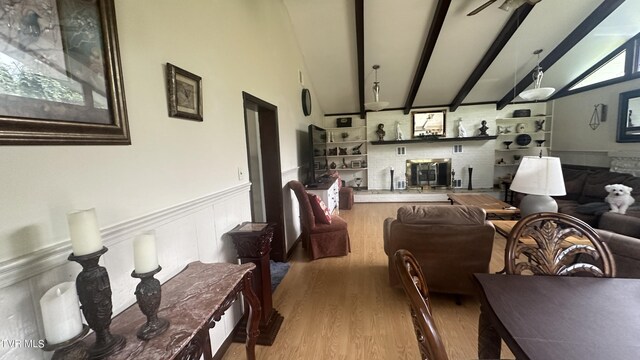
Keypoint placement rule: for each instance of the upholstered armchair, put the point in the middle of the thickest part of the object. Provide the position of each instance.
(320, 239)
(450, 242)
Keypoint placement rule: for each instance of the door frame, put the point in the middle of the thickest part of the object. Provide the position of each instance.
(271, 169)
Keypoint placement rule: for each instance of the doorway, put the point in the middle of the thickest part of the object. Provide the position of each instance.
(265, 174)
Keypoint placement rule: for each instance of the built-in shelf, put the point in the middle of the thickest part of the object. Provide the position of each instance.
(340, 156)
(349, 169)
(523, 148)
(525, 117)
(433, 140)
(526, 132)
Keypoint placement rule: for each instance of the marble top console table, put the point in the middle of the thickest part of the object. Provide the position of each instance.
(192, 301)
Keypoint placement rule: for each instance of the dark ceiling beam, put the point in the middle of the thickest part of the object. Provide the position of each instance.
(516, 19)
(427, 51)
(595, 18)
(360, 53)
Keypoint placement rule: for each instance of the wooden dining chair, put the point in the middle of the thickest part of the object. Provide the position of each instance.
(557, 244)
(412, 279)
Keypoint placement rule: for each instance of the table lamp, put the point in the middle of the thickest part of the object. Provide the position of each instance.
(540, 177)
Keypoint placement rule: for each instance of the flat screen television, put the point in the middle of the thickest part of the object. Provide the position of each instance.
(317, 141)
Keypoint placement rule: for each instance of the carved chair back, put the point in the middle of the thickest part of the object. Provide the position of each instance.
(414, 285)
(556, 244)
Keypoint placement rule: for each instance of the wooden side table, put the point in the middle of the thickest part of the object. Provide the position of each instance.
(253, 244)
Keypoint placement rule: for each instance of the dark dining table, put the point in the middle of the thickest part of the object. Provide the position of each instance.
(559, 317)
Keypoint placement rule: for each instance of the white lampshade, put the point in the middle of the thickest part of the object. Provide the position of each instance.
(376, 105)
(539, 176)
(537, 94)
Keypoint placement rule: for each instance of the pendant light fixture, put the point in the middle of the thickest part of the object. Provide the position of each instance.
(377, 105)
(537, 93)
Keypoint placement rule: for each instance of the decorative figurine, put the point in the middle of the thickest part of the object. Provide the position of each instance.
(380, 132)
(356, 150)
(539, 125)
(398, 131)
(504, 129)
(342, 151)
(344, 163)
(462, 132)
(483, 129)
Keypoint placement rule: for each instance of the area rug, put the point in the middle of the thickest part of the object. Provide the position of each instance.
(278, 271)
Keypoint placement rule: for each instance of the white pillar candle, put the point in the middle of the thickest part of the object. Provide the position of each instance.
(61, 313)
(84, 232)
(145, 254)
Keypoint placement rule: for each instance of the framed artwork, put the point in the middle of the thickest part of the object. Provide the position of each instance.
(356, 164)
(60, 76)
(184, 90)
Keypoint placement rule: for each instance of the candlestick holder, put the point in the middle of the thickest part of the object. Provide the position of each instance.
(72, 349)
(470, 186)
(453, 179)
(149, 294)
(94, 292)
(391, 173)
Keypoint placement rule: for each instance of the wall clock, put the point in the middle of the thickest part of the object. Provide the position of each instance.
(306, 102)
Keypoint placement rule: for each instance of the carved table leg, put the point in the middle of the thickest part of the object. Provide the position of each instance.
(489, 341)
(253, 316)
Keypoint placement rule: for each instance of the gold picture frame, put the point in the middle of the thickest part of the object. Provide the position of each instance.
(63, 84)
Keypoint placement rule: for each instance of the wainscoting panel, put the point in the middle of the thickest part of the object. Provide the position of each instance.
(186, 232)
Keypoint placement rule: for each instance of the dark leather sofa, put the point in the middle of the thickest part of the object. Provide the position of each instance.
(585, 200)
(586, 193)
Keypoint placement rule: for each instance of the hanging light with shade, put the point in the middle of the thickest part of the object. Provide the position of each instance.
(537, 93)
(376, 105)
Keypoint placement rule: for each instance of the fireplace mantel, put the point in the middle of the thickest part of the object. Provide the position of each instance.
(433, 140)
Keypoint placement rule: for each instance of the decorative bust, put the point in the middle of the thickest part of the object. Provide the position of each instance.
(483, 129)
(380, 132)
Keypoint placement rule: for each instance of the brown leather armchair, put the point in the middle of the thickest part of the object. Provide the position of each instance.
(450, 242)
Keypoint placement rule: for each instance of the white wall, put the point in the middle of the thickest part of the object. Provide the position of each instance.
(574, 141)
(241, 45)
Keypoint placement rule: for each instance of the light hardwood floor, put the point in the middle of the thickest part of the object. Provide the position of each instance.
(343, 308)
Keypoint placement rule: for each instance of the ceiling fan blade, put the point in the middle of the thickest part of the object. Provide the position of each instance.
(481, 7)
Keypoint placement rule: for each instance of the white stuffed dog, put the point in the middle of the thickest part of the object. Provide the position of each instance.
(619, 198)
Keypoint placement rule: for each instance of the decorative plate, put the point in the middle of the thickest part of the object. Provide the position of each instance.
(523, 139)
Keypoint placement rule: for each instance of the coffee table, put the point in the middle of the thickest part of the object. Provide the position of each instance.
(490, 204)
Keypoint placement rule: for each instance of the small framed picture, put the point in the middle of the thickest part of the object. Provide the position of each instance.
(184, 92)
(316, 165)
(356, 164)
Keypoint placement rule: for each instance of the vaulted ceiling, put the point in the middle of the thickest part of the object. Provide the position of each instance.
(432, 54)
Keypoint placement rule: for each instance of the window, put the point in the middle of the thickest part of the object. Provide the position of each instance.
(612, 69)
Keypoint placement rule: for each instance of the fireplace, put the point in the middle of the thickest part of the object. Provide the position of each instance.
(428, 173)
